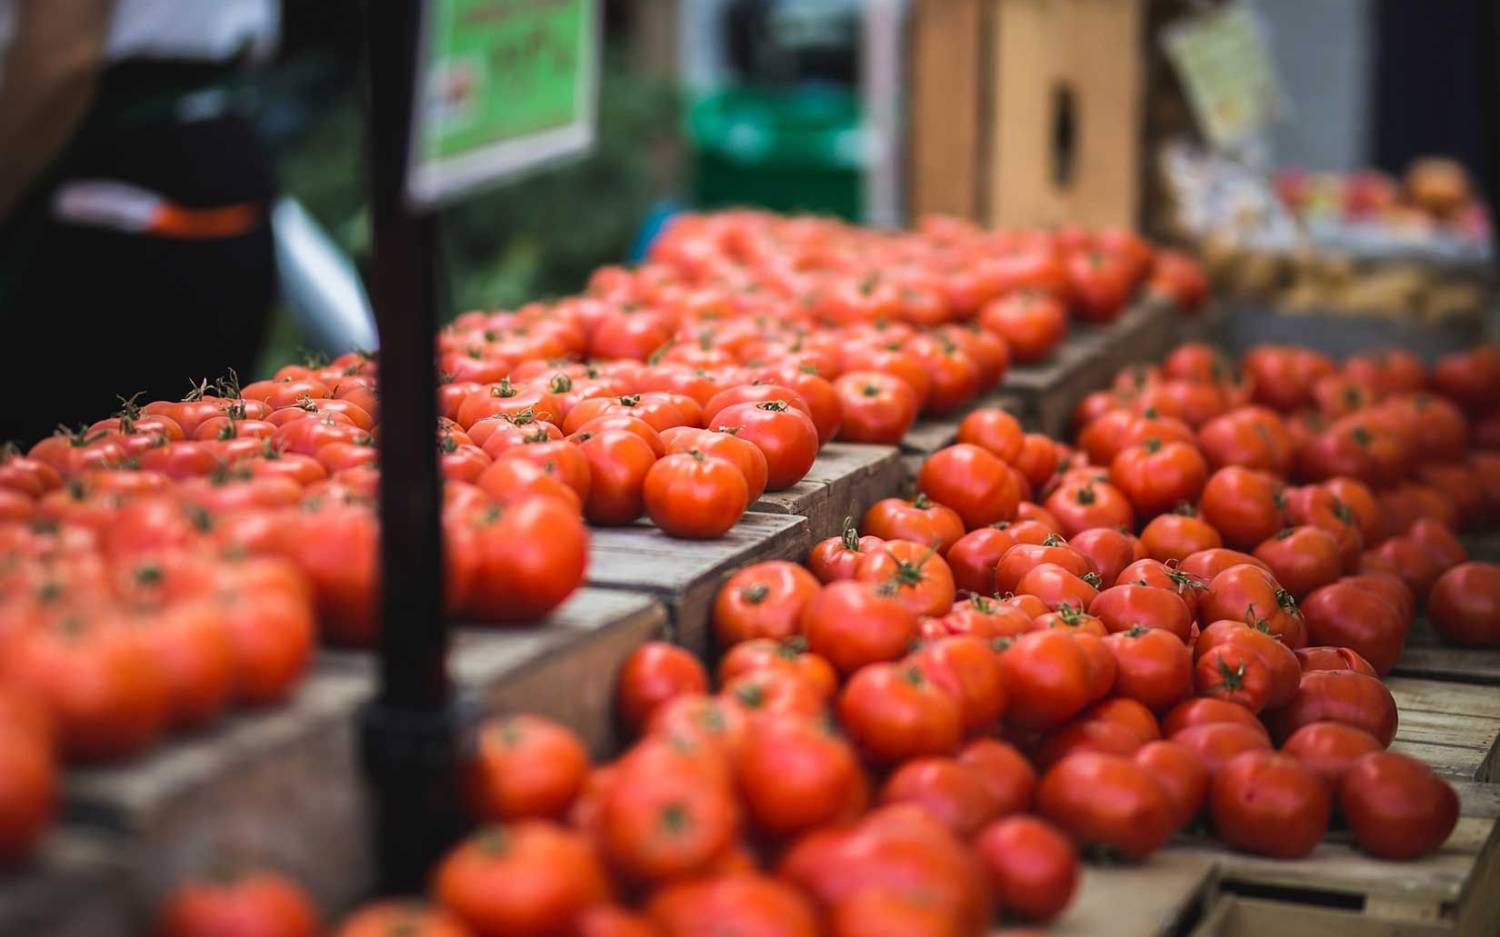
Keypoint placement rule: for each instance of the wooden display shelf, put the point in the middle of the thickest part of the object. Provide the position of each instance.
(283, 789)
(844, 481)
(1338, 890)
(686, 574)
(1454, 727)
(1156, 898)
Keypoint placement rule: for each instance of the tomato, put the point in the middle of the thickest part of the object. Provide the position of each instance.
(194, 656)
(973, 483)
(527, 878)
(973, 558)
(836, 558)
(1037, 459)
(1216, 743)
(1128, 606)
(1461, 484)
(691, 495)
(1471, 377)
(1087, 735)
(1439, 542)
(1155, 476)
(1250, 594)
(759, 907)
(1243, 505)
(1464, 605)
(1057, 587)
(1129, 713)
(1329, 749)
(1022, 558)
(654, 673)
(604, 920)
(1283, 668)
(1359, 446)
(994, 430)
(28, 788)
(796, 773)
(776, 689)
(1081, 505)
(1006, 774)
(983, 618)
(1206, 564)
(894, 712)
(1176, 536)
(918, 576)
(1151, 666)
(752, 393)
(1234, 674)
(1318, 507)
(1249, 437)
(714, 723)
(1406, 559)
(739, 452)
(1339, 696)
(532, 555)
(1207, 711)
(1110, 551)
(1107, 800)
(869, 913)
(1050, 677)
(821, 396)
(1333, 658)
(919, 520)
(1270, 804)
(1101, 284)
(661, 411)
(893, 363)
(619, 462)
(1345, 615)
(1031, 323)
(784, 434)
(1181, 775)
(967, 669)
(1302, 558)
(671, 811)
(1396, 806)
(632, 424)
(525, 766)
(852, 624)
(257, 903)
(953, 792)
(764, 600)
(1440, 430)
(1031, 866)
(1150, 572)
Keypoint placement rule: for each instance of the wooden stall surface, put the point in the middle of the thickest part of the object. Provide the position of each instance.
(844, 481)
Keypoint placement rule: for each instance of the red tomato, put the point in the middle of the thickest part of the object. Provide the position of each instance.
(1234, 674)
(1032, 324)
(972, 482)
(852, 624)
(876, 407)
(1270, 804)
(1124, 607)
(995, 430)
(258, 903)
(1181, 776)
(689, 494)
(785, 435)
(654, 673)
(967, 669)
(1333, 658)
(1156, 476)
(1396, 806)
(764, 600)
(973, 558)
(1206, 711)
(1216, 743)
(618, 464)
(1107, 800)
(1032, 867)
(1151, 666)
(1339, 696)
(796, 774)
(1464, 605)
(1005, 773)
(1081, 505)
(919, 520)
(1329, 749)
(1243, 505)
(953, 792)
(1176, 536)
(525, 766)
(1110, 551)
(893, 712)
(1345, 615)
(1050, 676)
(836, 558)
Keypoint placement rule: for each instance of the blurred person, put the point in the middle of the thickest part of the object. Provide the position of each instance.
(135, 241)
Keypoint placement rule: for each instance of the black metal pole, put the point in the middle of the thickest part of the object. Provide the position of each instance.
(409, 733)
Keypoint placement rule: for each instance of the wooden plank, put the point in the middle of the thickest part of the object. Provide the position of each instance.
(1437, 893)
(686, 574)
(1455, 724)
(947, 117)
(284, 788)
(1149, 899)
(77, 885)
(844, 481)
(1046, 52)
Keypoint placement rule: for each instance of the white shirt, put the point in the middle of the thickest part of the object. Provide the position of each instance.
(177, 30)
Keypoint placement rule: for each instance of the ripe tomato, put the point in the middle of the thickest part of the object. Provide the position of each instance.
(1318, 507)
(1050, 677)
(1181, 776)
(919, 577)
(1270, 804)
(953, 792)
(606, 920)
(1205, 711)
(1234, 674)
(1329, 749)
(28, 788)
(1206, 564)
(258, 903)
(410, 917)
(713, 723)
(821, 396)
(983, 618)
(1243, 505)
(1216, 743)
(1128, 606)
(527, 878)
(1032, 867)
(557, 457)
(1037, 459)
(661, 411)
(1281, 662)
(1100, 283)
(532, 555)
(1464, 605)
(994, 430)
(764, 600)
(1396, 806)
(1058, 587)
(893, 712)
(1156, 476)
(618, 464)
(1250, 594)
(744, 455)
(1339, 696)
(1110, 551)
(920, 520)
(1302, 558)
(1471, 378)
(689, 494)
(973, 558)
(1150, 572)
(1249, 437)
(654, 673)
(1406, 559)
(752, 393)
(1439, 542)
(784, 434)
(836, 558)
(1333, 658)
(670, 812)
(852, 624)
(1031, 323)
(1107, 800)
(973, 483)
(1005, 772)
(1022, 558)
(525, 766)
(756, 903)
(1086, 735)
(796, 773)
(1151, 666)
(1343, 614)
(776, 689)
(967, 669)
(1081, 505)
(194, 656)
(1176, 536)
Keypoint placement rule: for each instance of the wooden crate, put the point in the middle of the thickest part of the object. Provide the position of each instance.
(1338, 890)
(284, 789)
(932, 433)
(1428, 657)
(1156, 898)
(686, 574)
(948, 107)
(844, 481)
(1454, 727)
(77, 885)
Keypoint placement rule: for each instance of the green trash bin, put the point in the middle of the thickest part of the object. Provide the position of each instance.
(793, 151)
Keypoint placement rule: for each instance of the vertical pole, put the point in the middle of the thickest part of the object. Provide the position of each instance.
(408, 733)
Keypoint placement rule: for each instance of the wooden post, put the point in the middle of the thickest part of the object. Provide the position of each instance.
(948, 104)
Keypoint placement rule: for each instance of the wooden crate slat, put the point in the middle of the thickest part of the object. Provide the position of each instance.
(948, 125)
(1456, 725)
(77, 885)
(284, 789)
(1442, 697)
(685, 574)
(1149, 899)
(844, 481)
